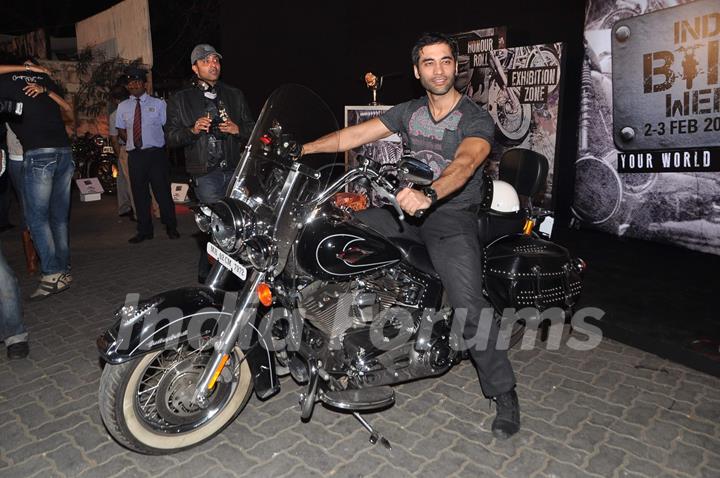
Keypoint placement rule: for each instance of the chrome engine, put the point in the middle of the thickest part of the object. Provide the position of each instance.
(336, 307)
(391, 300)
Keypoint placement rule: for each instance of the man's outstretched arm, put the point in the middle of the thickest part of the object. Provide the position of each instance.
(348, 138)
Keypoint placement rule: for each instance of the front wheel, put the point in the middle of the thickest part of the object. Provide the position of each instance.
(146, 404)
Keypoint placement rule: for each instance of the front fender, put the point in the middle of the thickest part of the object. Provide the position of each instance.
(177, 317)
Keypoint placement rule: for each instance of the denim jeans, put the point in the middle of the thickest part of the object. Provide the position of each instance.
(12, 329)
(47, 175)
(212, 187)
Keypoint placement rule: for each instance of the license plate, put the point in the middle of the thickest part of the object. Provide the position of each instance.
(108, 150)
(224, 259)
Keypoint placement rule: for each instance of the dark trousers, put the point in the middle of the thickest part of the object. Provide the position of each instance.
(150, 167)
(451, 238)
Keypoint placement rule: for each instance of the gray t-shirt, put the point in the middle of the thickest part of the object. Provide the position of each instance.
(435, 142)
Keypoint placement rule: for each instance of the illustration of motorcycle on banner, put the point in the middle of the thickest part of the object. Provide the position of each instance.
(511, 111)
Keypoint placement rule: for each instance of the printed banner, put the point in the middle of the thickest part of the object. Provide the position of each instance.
(385, 151)
(649, 149)
(520, 88)
(474, 64)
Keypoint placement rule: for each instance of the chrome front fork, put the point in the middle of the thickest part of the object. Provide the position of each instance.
(217, 276)
(245, 311)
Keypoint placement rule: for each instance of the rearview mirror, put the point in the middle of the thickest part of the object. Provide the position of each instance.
(415, 171)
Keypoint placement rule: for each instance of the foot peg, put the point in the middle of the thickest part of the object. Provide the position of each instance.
(374, 435)
(298, 369)
(360, 399)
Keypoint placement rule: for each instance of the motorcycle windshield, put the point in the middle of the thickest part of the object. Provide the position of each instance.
(293, 114)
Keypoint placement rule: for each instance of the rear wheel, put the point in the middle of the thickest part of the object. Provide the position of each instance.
(146, 404)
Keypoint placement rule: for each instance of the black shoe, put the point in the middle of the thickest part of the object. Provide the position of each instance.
(6, 227)
(173, 233)
(18, 350)
(129, 214)
(507, 418)
(137, 238)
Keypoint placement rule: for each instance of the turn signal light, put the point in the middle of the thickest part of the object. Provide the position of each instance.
(354, 201)
(528, 227)
(215, 376)
(264, 294)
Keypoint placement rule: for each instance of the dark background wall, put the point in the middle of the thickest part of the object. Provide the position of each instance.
(329, 46)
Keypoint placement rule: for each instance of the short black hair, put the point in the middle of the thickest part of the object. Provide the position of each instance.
(433, 38)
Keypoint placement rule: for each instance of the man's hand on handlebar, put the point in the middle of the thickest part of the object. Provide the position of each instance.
(412, 200)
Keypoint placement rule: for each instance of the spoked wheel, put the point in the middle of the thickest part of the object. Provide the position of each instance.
(544, 57)
(146, 404)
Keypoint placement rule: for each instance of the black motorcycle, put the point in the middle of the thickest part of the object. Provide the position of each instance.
(95, 158)
(346, 312)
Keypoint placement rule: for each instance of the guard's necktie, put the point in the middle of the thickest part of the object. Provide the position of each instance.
(137, 126)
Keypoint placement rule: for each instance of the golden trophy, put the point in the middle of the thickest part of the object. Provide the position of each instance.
(374, 83)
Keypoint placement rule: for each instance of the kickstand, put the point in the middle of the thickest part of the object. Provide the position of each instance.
(374, 435)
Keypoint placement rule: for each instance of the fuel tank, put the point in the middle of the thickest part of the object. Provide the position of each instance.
(334, 250)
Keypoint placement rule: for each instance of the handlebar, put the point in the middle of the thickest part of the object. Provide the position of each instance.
(370, 170)
(375, 173)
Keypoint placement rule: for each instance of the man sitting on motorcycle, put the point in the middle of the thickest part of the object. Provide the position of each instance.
(449, 132)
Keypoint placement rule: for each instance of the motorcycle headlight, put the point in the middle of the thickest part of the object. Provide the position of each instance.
(231, 224)
(261, 252)
(202, 218)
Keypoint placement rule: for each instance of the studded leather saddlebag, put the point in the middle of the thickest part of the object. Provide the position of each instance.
(526, 271)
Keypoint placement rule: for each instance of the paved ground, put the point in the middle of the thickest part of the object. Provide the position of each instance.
(614, 411)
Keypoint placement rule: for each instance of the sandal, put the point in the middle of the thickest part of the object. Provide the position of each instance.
(51, 284)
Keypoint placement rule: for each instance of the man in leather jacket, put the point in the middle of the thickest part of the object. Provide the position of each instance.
(212, 122)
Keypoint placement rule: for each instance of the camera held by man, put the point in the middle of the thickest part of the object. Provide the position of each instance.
(216, 119)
